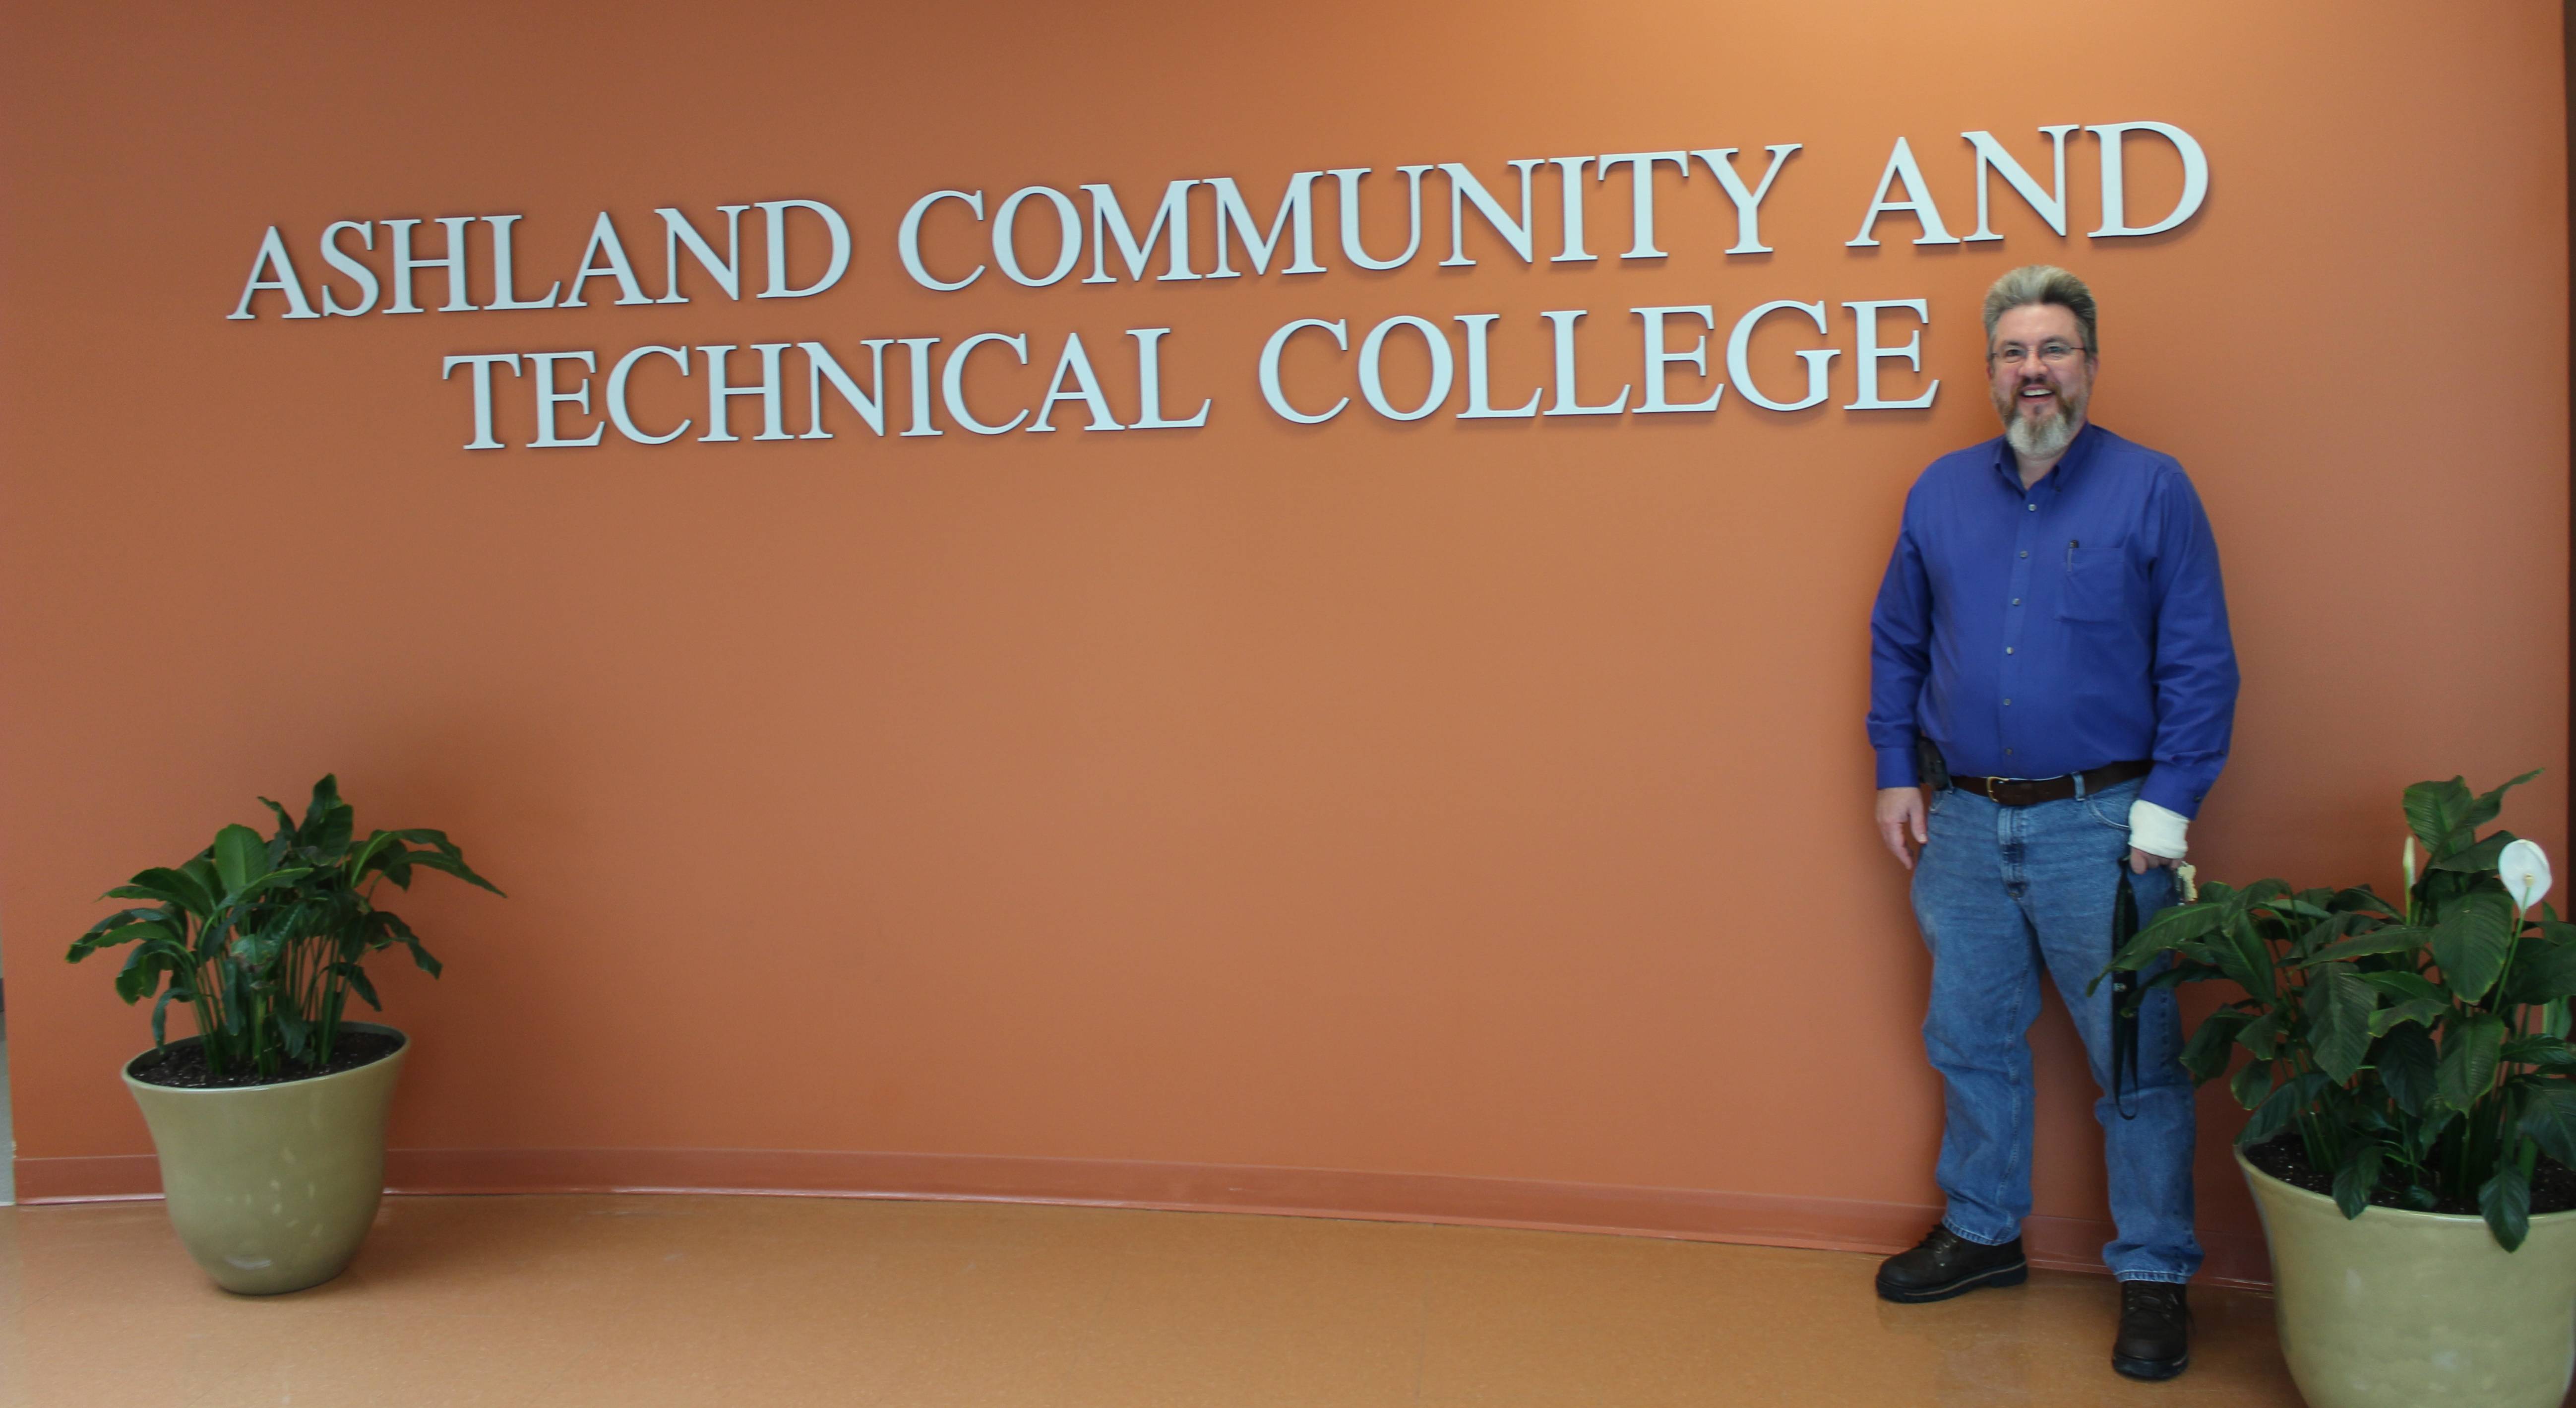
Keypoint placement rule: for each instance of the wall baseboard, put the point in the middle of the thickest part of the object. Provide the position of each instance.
(1832, 1224)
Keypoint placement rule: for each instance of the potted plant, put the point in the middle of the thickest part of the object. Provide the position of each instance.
(270, 1121)
(2414, 1110)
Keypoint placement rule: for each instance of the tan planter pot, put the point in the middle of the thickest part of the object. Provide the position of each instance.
(272, 1187)
(2397, 1309)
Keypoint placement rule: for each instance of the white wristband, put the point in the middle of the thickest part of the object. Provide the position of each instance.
(2157, 830)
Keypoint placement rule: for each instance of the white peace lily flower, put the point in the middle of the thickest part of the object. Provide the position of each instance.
(2409, 862)
(2525, 868)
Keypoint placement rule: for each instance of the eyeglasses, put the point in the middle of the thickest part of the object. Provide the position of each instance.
(2055, 354)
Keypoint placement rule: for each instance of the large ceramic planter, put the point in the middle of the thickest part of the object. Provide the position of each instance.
(272, 1187)
(2398, 1309)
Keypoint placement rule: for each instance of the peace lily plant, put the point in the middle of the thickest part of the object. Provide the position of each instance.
(2416, 1047)
(264, 938)
(269, 1124)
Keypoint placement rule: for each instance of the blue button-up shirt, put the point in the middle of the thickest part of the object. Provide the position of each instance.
(2032, 633)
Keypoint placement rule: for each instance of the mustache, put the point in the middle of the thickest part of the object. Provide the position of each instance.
(2052, 429)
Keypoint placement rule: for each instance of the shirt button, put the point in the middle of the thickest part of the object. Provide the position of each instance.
(2007, 704)
(2016, 601)
(2008, 752)
(2007, 650)
(2034, 508)
(2025, 554)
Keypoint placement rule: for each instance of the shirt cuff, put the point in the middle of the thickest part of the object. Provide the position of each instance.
(2175, 789)
(2157, 831)
(1896, 768)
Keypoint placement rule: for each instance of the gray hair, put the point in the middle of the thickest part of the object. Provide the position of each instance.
(2042, 283)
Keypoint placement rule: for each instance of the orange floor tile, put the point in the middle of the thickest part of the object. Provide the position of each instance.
(776, 1302)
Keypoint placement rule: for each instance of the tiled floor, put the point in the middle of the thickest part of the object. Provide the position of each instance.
(777, 1302)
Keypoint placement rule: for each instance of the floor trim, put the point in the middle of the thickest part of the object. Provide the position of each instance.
(1833, 1224)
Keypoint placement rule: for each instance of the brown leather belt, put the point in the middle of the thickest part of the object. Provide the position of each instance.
(2031, 791)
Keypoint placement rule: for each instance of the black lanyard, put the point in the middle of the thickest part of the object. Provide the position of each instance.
(2124, 994)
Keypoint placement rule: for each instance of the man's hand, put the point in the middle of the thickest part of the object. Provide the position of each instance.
(1900, 814)
(2139, 861)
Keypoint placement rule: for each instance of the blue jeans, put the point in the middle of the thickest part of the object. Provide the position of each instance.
(2002, 892)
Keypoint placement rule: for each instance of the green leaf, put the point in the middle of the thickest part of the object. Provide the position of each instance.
(2424, 1010)
(140, 975)
(137, 915)
(383, 927)
(2408, 1064)
(2354, 1181)
(326, 795)
(2339, 1008)
(2183, 971)
(2362, 899)
(358, 983)
(2240, 954)
(201, 869)
(2549, 1117)
(2262, 1036)
(453, 865)
(2505, 1200)
(2213, 1042)
(285, 822)
(161, 1013)
(2404, 986)
(2538, 1050)
(120, 928)
(2291, 1099)
(2252, 1084)
(2375, 943)
(272, 880)
(2429, 1129)
(2438, 814)
(2257, 895)
(339, 822)
(2471, 941)
(2544, 969)
(2318, 929)
(2470, 1051)
(2478, 859)
(179, 887)
(369, 855)
(241, 856)
(2488, 804)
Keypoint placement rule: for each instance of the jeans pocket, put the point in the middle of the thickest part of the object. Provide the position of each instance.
(2111, 808)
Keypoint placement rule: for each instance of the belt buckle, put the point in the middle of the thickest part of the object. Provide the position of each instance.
(1991, 783)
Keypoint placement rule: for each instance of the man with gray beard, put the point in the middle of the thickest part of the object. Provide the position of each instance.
(2050, 660)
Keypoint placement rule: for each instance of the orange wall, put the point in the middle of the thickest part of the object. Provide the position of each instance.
(1469, 799)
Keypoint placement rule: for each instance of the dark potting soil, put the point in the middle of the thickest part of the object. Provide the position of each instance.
(2553, 1184)
(183, 1064)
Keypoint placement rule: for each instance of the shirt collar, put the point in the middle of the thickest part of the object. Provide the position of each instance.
(2078, 453)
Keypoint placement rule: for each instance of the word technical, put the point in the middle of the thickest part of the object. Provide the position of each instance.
(1310, 370)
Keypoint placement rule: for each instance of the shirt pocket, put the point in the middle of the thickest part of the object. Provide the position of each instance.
(2097, 580)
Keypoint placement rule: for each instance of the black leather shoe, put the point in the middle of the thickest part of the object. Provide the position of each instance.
(2155, 1330)
(1947, 1264)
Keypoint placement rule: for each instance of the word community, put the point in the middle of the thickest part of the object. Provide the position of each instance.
(1311, 370)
